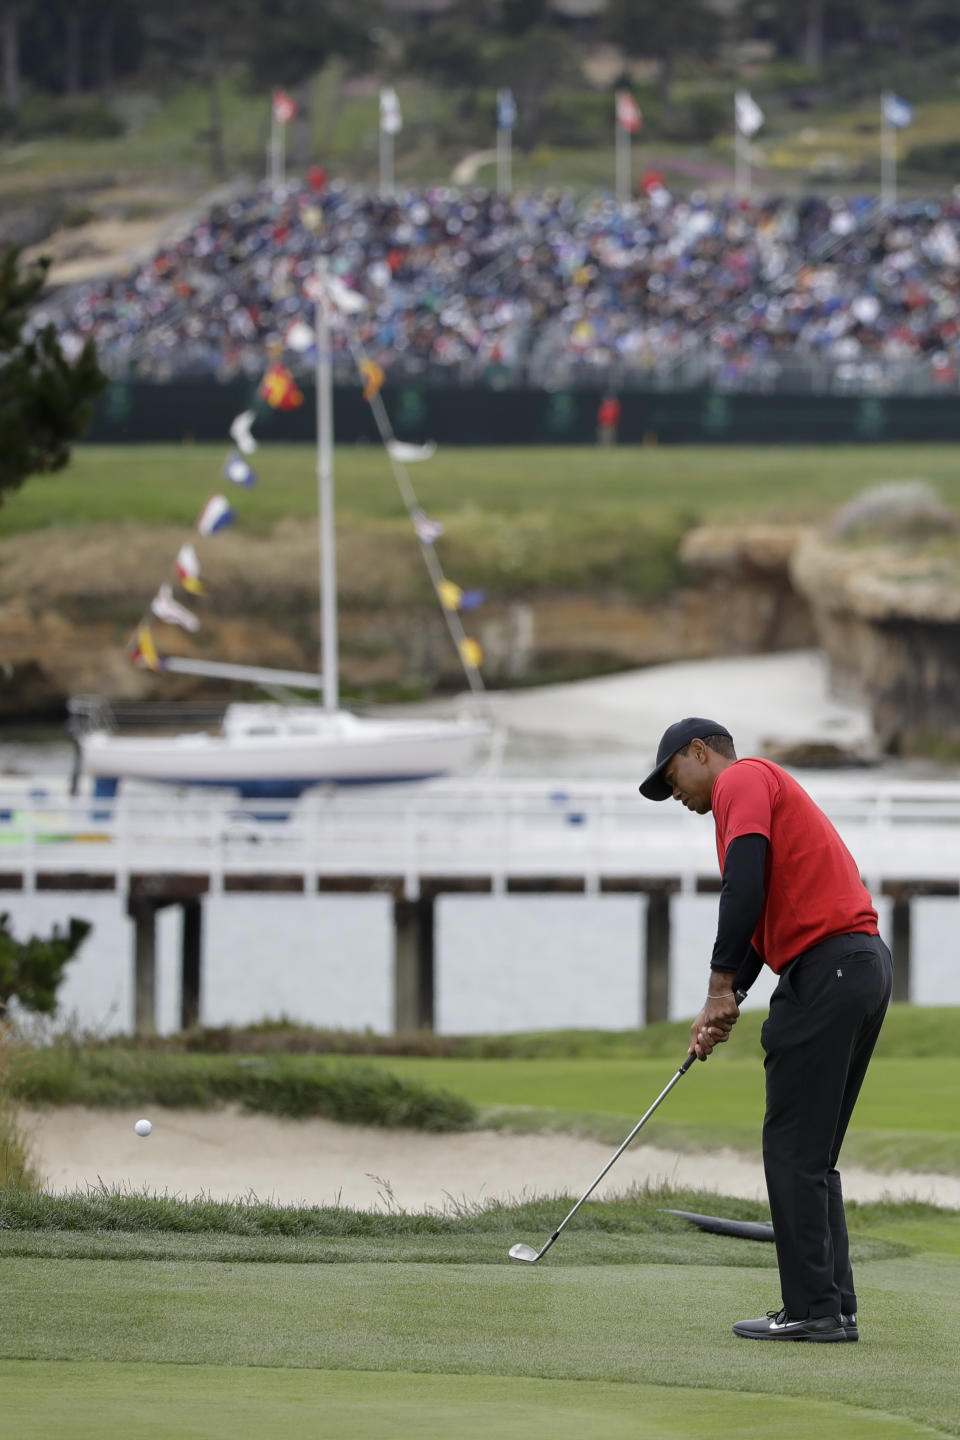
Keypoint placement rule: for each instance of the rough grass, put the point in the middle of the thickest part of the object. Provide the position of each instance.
(635, 1228)
(16, 1169)
(909, 1031)
(359, 1095)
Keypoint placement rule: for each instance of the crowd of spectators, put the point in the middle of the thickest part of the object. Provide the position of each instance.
(545, 288)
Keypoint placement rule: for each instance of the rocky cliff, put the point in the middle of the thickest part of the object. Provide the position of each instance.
(887, 614)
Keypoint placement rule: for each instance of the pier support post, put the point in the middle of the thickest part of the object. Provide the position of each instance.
(413, 964)
(900, 947)
(190, 952)
(658, 955)
(144, 916)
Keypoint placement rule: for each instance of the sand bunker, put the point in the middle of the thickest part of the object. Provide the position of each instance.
(227, 1154)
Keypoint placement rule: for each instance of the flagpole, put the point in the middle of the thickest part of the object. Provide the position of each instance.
(504, 157)
(386, 162)
(276, 149)
(329, 660)
(888, 156)
(622, 154)
(741, 181)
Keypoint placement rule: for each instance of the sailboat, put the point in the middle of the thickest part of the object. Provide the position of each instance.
(280, 750)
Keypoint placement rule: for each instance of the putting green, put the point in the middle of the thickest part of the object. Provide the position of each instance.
(102, 1401)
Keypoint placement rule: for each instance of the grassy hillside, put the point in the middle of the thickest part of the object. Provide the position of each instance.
(819, 129)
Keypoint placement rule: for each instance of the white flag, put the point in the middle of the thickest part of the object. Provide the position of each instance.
(391, 121)
(240, 432)
(897, 112)
(408, 454)
(166, 608)
(748, 114)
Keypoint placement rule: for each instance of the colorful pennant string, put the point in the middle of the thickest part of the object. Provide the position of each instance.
(215, 515)
(172, 612)
(373, 375)
(279, 389)
(427, 530)
(240, 432)
(187, 568)
(471, 652)
(238, 471)
(410, 454)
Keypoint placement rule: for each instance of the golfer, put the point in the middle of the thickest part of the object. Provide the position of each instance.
(791, 898)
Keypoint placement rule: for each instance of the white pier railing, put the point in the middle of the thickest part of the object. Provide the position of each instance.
(898, 831)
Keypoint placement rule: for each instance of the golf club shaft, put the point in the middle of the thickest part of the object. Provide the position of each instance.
(616, 1156)
(740, 996)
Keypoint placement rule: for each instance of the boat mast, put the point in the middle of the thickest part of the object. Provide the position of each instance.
(327, 548)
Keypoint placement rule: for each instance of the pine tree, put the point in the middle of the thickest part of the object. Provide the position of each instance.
(44, 399)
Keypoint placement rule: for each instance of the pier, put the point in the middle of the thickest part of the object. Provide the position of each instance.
(417, 843)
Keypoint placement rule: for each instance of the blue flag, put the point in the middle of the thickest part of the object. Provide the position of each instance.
(506, 110)
(897, 112)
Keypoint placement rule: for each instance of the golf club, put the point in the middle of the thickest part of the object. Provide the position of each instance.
(527, 1252)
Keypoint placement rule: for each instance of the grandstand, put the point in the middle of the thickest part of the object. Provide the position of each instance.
(542, 289)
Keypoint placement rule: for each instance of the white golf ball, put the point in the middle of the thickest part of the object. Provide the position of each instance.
(143, 1127)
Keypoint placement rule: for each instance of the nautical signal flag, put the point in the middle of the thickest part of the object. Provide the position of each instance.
(450, 594)
(427, 530)
(373, 377)
(471, 652)
(237, 470)
(187, 567)
(144, 652)
(284, 107)
(453, 598)
(215, 515)
(409, 454)
(629, 117)
(167, 609)
(279, 389)
(240, 432)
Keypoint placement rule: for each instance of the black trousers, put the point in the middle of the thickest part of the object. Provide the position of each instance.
(825, 1016)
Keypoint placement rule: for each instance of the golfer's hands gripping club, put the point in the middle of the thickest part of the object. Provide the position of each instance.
(720, 1013)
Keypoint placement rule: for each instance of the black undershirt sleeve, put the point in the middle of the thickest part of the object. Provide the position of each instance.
(741, 903)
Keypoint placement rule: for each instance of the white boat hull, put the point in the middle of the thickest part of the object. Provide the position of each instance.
(272, 746)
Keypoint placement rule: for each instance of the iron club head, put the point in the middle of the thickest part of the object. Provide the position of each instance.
(523, 1252)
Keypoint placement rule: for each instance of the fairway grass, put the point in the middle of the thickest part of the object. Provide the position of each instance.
(100, 1402)
(167, 484)
(650, 1325)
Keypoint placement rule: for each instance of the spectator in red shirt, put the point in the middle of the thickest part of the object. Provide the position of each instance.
(792, 899)
(608, 420)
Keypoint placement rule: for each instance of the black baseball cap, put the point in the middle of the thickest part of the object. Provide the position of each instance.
(674, 739)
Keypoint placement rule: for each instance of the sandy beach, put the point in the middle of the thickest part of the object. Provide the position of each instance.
(227, 1154)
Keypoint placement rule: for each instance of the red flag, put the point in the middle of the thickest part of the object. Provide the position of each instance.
(284, 107)
(629, 117)
(280, 390)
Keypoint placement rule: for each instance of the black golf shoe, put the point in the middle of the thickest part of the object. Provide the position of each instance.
(776, 1325)
(850, 1327)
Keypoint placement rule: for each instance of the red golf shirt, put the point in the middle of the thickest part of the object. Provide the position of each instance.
(813, 886)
